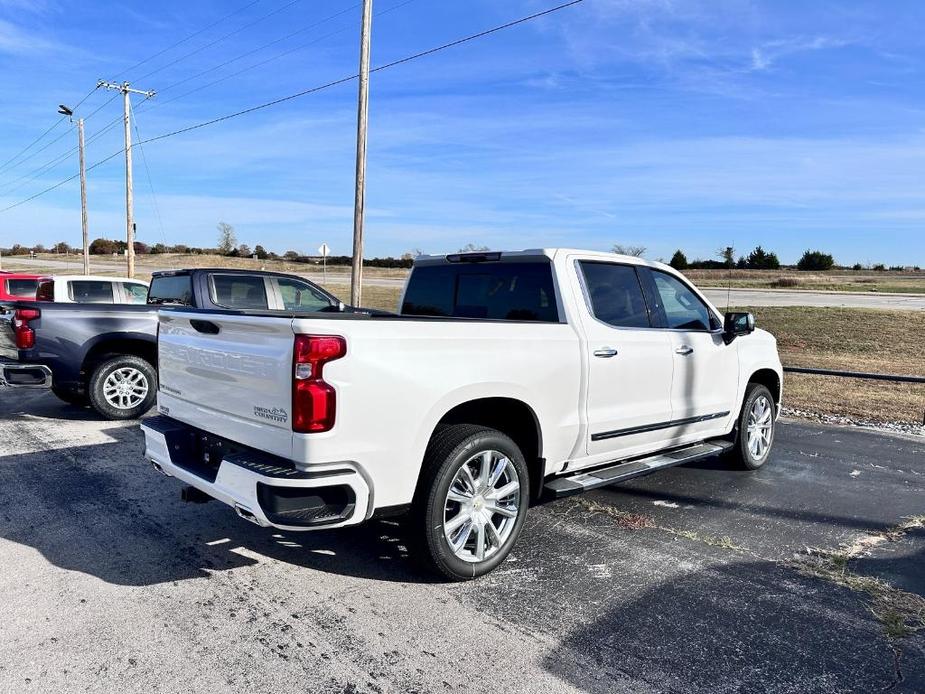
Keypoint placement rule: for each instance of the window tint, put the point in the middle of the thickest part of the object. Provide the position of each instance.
(683, 309)
(135, 293)
(21, 287)
(301, 296)
(615, 293)
(90, 291)
(171, 289)
(499, 291)
(239, 291)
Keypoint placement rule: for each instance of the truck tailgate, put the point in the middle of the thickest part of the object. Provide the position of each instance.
(228, 373)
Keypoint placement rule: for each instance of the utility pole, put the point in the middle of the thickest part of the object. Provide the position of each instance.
(129, 201)
(65, 111)
(356, 274)
(83, 195)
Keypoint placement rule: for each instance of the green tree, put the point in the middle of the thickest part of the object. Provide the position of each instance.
(760, 259)
(728, 256)
(261, 252)
(816, 260)
(103, 247)
(678, 260)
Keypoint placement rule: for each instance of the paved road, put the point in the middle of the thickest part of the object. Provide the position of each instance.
(110, 582)
(776, 297)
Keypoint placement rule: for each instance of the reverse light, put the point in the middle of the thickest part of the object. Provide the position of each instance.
(314, 402)
(23, 332)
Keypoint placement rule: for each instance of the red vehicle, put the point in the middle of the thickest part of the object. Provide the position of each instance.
(18, 285)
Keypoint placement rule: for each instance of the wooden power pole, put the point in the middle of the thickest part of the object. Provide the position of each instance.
(359, 203)
(129, 201)
(83, 195)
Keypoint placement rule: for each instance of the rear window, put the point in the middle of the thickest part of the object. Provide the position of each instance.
(21, 287)
(615, 294)
(497, 290)
(171, 289)
(90, 291)
(239, 291)
(46, 291)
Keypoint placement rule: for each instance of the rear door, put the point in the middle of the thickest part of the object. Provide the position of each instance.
(629, 363)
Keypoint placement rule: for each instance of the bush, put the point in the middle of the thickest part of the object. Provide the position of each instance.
(879, 267)
(786, 282)
(759, 259)
(678, 260)
(816, 260)
(857, 267)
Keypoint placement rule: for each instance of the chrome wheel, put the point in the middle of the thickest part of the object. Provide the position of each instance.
(125, 388)
(759, 427)
(481, 506)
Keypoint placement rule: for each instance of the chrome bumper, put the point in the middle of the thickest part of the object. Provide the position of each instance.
(256, 486)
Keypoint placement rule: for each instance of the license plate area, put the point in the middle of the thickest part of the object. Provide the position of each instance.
(198, 452)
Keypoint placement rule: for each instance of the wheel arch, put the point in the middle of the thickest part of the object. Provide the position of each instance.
(771, 380)
(113, 345)
(512, 417)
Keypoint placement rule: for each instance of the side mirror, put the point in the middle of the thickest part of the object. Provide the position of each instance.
(737, 323)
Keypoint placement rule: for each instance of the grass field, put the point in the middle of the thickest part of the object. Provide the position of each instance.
(852, 339)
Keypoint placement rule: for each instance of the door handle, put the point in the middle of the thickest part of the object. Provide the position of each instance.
(605, 352)
(684, 350)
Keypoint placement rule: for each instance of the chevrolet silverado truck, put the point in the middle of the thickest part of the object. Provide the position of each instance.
(99, 346)
(505, 377)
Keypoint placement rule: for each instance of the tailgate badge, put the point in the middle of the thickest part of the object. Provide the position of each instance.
(275, 414)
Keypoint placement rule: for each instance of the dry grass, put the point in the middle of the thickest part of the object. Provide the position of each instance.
(901, 613)
(852, 339)
(888, 282)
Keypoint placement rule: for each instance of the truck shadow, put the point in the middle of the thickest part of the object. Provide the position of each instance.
(102, 510)
(746, 626)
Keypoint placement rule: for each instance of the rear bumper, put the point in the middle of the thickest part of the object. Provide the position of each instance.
(16, 375)
(262, 488)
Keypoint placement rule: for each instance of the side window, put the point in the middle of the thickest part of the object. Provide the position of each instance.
(135, 293)
(301, 296)
(683, 309)
(616, 295)
(239, 291)
(90, 291)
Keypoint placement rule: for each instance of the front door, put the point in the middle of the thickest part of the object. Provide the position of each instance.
(629, 364)
(706, 369)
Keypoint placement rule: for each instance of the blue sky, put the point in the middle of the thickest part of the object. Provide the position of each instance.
(658, 123)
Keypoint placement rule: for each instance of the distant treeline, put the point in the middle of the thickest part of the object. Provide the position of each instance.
(760, 259)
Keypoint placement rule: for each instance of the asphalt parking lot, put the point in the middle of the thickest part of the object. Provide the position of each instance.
(698, 579)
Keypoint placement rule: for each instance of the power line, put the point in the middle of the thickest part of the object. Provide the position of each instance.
(342, 80)
(218, 40)
(319, 39)
(313, 90)
(58, 122)
(144, 159)
(187, 38)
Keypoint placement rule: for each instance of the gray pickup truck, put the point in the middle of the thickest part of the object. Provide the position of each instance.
(105, 355)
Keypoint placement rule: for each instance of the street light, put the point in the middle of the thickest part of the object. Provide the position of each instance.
(65, 111)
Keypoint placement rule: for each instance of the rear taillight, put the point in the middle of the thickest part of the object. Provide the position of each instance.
(313, 400)
(25, 335)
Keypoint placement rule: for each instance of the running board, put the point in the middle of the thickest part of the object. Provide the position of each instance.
(582, 481)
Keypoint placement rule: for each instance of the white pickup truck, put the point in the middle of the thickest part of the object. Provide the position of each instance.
(504, 378)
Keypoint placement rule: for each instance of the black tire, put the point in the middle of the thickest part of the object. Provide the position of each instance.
(71, 397)
(450, 448)
(108, 367)
(742, 455)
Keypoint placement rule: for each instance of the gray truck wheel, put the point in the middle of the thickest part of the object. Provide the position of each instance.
(755, 429)
(472, 500)
(123, 387)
